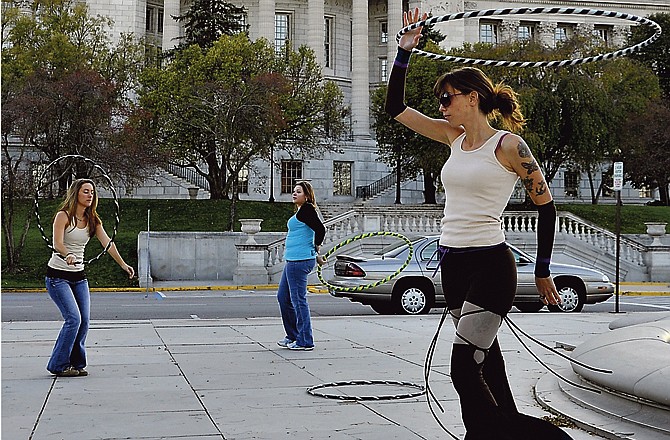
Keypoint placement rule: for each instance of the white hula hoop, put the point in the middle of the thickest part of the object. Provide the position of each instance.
(527, 11)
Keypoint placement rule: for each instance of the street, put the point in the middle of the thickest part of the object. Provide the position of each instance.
(233, 304)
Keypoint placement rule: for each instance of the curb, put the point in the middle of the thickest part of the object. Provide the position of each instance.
(318, 289)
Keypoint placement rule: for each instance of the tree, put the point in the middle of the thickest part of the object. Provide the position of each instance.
(220, 108)
(645, 150)
(65, 90)
(657, 55)
(207, 20)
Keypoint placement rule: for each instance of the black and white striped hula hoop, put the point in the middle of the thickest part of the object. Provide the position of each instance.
(420, 390)
(39, 186)
(528, 11)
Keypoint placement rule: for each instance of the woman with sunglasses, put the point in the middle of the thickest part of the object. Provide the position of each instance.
(477, 268)
(74, 224)
(301, 254)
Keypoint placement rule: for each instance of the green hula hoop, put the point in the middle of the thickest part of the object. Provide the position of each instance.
(376, 283)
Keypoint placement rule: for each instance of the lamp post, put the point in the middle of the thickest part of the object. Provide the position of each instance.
(272, 169)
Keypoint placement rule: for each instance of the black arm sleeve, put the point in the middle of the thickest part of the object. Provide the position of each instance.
(546, 226)
(308, 215)
(395, 93)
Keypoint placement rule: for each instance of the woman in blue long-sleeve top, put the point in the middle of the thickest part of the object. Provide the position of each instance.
(305, 235)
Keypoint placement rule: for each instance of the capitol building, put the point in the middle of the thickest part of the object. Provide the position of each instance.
(354, 41)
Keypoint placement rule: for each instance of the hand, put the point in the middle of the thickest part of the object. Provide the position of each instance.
(130, 270)
(71, 259)
(547, 290)
(320, 260)
(411, 39)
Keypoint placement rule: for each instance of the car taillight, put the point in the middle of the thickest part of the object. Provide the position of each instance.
(349, 270)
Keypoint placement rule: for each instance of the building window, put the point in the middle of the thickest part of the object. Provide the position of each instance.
(154, 19)
(328, 42)
(243, 181)
(342, 178)
(571, 183)
(525, 32)
(291, 172)
(383, 70)
(282, 30)
(383, 32)
(645, 193)
(488, 33)
(560, 34)
(602, 33)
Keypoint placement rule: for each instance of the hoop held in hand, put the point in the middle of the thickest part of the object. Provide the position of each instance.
(40, 185)
(376, 283)
(528, 11)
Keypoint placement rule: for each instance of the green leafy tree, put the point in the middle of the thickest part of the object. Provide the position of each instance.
(218, 109)
(645, 149)
(64, 90)
(657, 55)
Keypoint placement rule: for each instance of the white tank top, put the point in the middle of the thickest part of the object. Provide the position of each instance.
(477, 189)
(75, 240)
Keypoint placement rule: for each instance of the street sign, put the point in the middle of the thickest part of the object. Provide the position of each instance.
(618, 176)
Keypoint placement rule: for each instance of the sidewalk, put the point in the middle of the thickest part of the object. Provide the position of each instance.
(227, 379)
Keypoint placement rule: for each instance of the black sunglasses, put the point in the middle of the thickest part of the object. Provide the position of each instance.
(445, 98)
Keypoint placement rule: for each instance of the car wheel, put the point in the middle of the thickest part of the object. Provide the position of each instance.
(383, 308)
(412, 299)
(529, 307)
(572, 295)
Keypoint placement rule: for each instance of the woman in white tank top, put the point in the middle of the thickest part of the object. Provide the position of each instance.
(74, 224)
(478, 269)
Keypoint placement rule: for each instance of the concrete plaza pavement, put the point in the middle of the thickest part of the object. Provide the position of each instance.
(227, 379)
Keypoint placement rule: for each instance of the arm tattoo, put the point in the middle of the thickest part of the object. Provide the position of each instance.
(528, 184)
(541, 188)
(524, 152)
(530, 167)
(523, 149)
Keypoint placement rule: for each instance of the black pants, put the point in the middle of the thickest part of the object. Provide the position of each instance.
(485, 280)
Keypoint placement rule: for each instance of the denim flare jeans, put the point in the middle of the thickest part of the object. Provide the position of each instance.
(74, 302)
(292, 297)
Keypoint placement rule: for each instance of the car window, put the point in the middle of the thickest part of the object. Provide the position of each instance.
(520, 258)
(394, 249)
(428, 251)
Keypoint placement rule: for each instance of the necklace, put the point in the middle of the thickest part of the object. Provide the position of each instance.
(80, 219)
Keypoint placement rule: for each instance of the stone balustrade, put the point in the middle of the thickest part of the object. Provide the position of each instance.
(644, 262)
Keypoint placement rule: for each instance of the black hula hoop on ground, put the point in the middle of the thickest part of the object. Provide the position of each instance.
(376, 283)
(111, 187)
(527, 11)
(420, 390)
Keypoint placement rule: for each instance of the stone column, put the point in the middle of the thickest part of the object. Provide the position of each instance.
(545, 33)
(170, 25)
(266, 20)
(315, 19)
(394, 24)
(360, 81)
(509, 30)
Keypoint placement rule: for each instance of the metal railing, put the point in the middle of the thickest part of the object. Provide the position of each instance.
(188, 174)
(376, 187)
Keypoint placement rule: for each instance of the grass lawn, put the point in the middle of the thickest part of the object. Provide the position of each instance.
(214, 215)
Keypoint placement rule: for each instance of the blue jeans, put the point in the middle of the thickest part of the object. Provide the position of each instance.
(74, 302)
(292, 297)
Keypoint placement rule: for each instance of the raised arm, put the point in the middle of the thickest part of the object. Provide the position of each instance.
(436, 129)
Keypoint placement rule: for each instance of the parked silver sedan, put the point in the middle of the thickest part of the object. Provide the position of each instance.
(415, 290)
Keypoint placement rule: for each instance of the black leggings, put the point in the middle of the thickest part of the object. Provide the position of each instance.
(479, 287)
